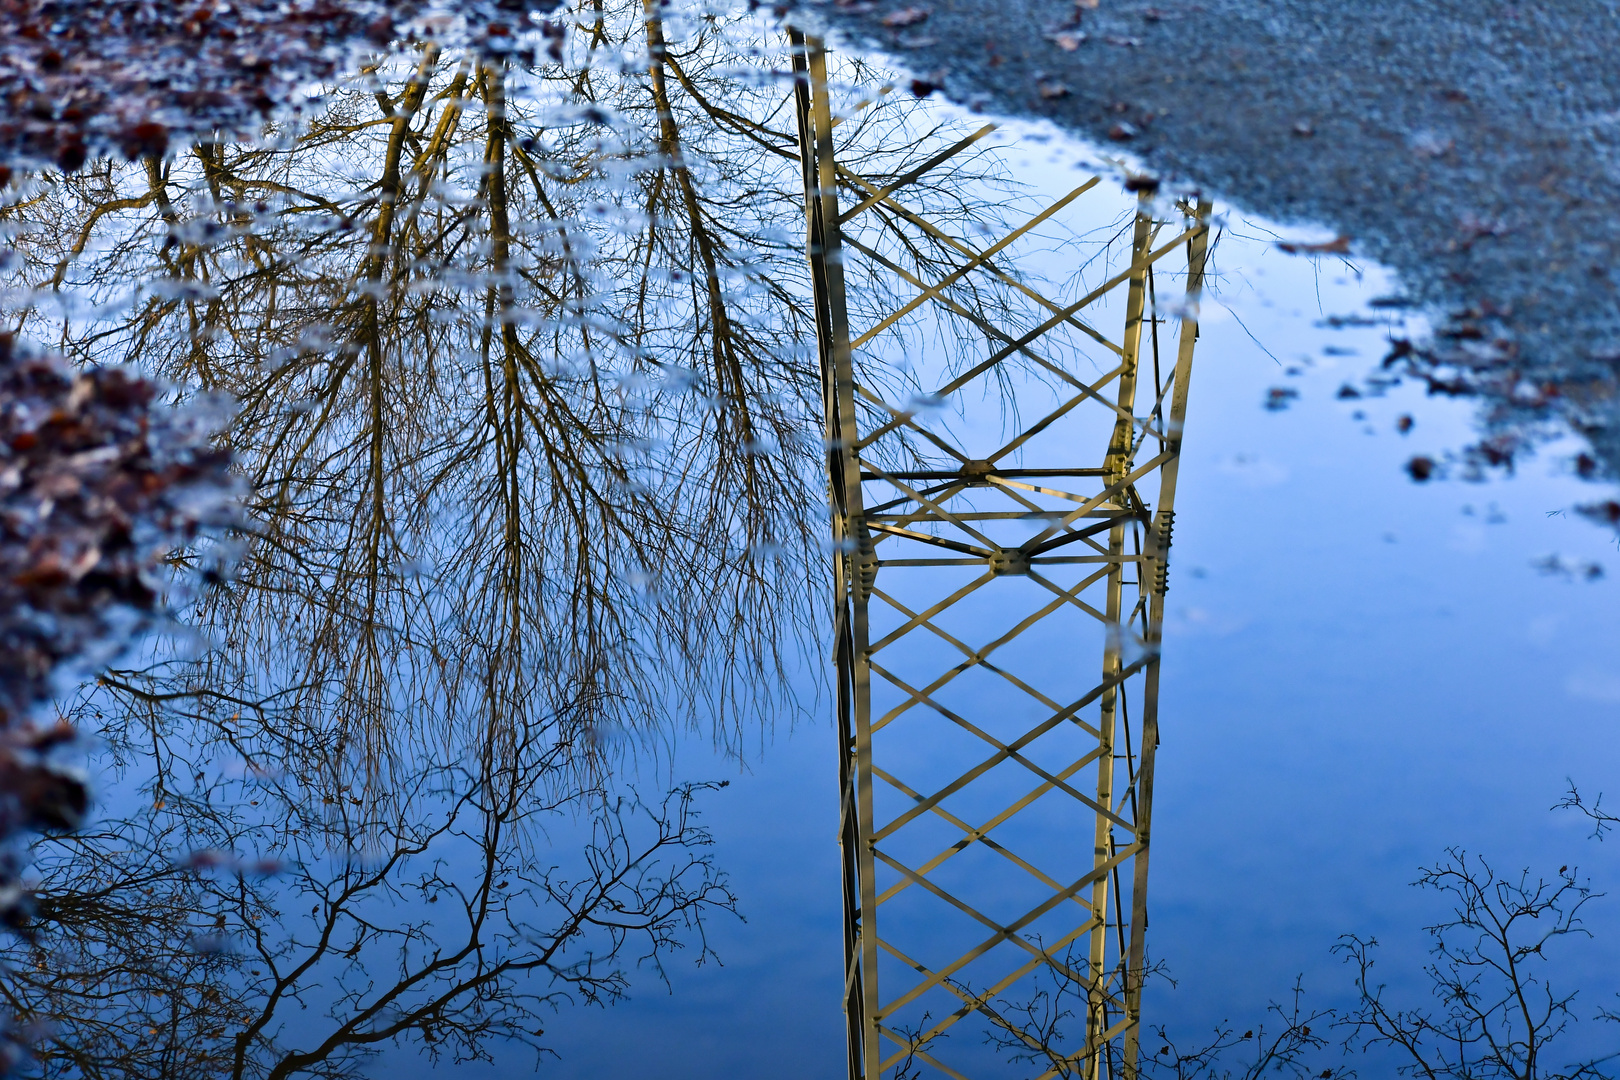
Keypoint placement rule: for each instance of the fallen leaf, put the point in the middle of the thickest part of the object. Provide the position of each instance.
(1050, 90)
(1122, 131)
(1067, 40)
(1337, 246)
(1607, 512)
(1304, 128)
(910, 16)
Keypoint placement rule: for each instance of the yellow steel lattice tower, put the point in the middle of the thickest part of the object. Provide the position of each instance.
(999, 599)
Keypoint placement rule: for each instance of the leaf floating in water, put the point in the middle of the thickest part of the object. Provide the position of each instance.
(1339, 245)
(1607, 512)
(1555, 565)
(1278, 397)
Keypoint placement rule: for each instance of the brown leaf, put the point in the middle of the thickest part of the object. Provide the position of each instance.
(910, 16)
(1606, 512)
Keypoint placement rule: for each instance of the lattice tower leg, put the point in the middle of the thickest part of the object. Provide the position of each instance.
(1084, 930)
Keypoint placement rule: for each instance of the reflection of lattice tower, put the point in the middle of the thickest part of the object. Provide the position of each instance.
(996, 775)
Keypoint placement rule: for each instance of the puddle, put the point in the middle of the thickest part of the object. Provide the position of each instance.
(528, 423)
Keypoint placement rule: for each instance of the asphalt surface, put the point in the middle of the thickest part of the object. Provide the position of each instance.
(1471, 146)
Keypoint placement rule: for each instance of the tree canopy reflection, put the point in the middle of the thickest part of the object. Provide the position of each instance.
(435, 915)
(519, 352)
(530, 432)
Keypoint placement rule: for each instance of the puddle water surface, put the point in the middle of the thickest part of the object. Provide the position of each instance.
(515, 695)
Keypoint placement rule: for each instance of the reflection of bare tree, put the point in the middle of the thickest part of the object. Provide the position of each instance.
(1044, 1031)
(1286, 1049)
(1495, 1012)
(432, 916)
(524, 401)
(530, 436)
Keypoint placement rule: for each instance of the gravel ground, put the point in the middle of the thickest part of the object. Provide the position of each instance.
(1472, 146)
(80, 78)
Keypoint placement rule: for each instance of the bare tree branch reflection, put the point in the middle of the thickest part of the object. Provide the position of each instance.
(530, 432)
(523, 385)
(1495, 1011)
(309, 929)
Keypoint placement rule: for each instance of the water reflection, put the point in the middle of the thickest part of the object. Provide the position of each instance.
(527, 422)
(524, 403)
(240, 910)
(523, 389)
(486, 415)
